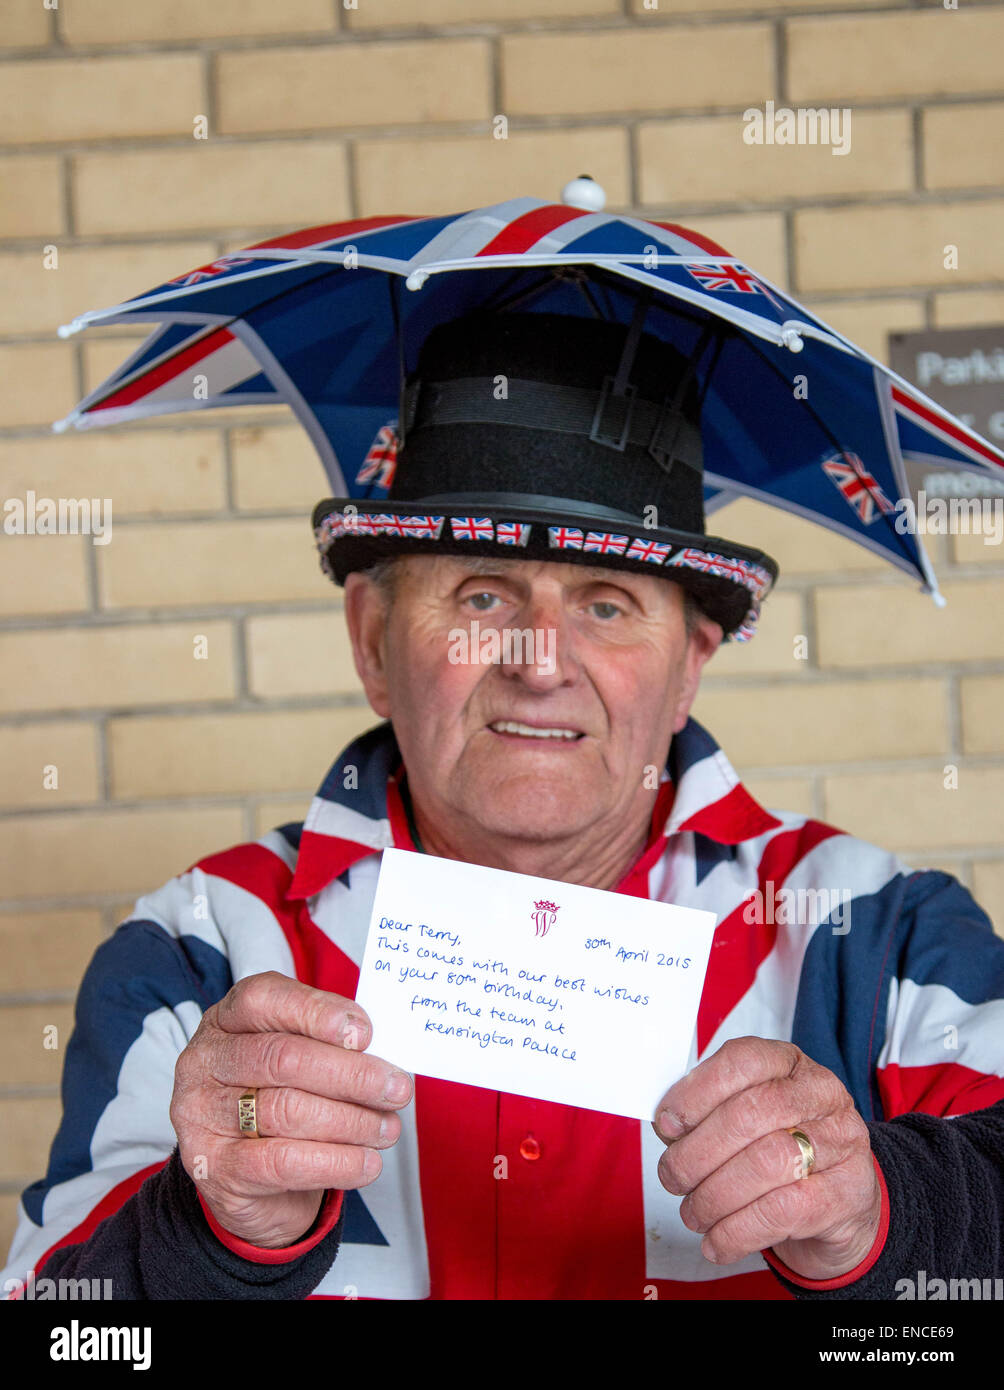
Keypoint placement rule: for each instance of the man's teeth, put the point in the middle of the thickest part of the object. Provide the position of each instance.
(510, 726)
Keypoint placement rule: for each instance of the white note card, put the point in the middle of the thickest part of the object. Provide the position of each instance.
(532, 986)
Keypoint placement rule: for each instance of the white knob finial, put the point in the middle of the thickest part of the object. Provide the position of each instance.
(791, 337)
(584, 192)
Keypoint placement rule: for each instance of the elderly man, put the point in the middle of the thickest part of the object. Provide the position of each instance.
(227, 1133)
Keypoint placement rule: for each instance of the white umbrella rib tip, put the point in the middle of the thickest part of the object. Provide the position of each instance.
(91, 316)
(791, 335)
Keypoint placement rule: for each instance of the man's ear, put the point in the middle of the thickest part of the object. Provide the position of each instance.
(366, 613)
(703, 642)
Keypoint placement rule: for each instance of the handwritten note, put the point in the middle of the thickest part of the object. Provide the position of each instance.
(532, 986)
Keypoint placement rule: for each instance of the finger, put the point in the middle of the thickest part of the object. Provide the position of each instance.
(808, 1095)
(273, 1003)
(289, 1113)
(773, 1161)
(737, 1065)
(283, 1059)
(814, 1207)
(263, 1167)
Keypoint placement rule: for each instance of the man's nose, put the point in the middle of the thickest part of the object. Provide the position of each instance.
(542, 654)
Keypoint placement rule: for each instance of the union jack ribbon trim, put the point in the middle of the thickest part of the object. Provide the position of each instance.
(329, 529)
(751, 576)
(564, 538)
(604, 543)
(423, 528)
(408, 527)
(472, 528)
(655, 552)
(512, 532)
(337, 524)
(747, 628)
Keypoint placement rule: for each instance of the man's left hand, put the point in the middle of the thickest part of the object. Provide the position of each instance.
(730, 1155)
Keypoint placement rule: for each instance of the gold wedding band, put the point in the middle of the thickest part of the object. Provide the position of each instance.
(247, 1116)
(806, 1151)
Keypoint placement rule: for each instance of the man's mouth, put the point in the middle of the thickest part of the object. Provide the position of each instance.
(557, 733)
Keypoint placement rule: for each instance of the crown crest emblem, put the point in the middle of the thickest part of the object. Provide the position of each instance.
(543, 914)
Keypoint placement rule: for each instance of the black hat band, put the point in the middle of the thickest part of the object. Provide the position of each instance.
(604, 417)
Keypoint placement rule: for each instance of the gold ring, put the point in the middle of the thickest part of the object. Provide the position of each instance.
(806, 1152)
(247, 1116)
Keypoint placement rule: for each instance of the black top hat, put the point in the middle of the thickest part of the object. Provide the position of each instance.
(554, 438)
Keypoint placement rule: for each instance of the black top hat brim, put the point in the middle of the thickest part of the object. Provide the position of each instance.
(728, 580)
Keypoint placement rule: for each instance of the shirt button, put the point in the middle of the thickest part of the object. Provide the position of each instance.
(529, 1148)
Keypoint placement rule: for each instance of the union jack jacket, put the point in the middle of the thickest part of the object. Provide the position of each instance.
(890, 977)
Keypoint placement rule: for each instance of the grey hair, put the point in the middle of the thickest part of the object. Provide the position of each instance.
(384, 575)
(691, 612)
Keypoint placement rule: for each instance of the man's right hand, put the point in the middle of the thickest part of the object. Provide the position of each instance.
(324, 1106)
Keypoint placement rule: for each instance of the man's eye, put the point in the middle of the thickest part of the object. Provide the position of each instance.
(482, 602)
(605, 610)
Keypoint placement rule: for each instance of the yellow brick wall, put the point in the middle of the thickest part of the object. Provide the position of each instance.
(318, 110)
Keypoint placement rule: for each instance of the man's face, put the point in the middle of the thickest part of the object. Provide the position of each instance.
(529, 749)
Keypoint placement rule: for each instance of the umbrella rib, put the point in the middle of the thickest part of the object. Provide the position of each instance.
(402, 368)
(581, 283)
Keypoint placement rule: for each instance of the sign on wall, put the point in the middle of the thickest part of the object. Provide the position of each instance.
(963, 370)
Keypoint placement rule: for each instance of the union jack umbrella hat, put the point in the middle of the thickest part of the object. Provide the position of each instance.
(549, 437)
(330, 321)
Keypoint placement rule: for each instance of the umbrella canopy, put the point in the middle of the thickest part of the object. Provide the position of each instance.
(328, 320)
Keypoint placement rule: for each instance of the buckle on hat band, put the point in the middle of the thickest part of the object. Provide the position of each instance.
(665, 437)
(612, 417)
